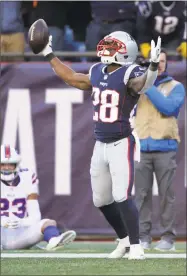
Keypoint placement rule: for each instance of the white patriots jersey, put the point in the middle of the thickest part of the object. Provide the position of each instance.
(13, 199)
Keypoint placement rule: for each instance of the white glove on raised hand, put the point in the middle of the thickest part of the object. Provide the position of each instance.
(155, 50)
(48, 48)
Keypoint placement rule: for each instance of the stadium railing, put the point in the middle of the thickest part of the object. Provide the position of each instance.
(67, 54)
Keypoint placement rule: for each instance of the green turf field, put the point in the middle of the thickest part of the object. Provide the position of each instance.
(89, 258)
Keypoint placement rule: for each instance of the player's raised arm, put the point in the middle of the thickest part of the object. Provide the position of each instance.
(145, 81)
(41, 42)
(72, 78)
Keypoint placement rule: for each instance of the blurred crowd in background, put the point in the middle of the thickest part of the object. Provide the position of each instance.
(80, 25)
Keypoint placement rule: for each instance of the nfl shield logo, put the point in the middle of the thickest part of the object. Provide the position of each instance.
(137, 74)
(105, 77)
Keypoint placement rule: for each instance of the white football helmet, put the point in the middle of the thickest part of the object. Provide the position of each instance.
(9, 156)
(118, 47)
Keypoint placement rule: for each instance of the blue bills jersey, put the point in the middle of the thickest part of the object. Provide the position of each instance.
(112, 103)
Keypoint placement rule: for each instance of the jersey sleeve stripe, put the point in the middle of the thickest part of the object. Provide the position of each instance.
(90, 71)
(34, 178)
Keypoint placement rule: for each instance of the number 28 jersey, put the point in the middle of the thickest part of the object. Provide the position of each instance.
(113, 105)
(13, 199)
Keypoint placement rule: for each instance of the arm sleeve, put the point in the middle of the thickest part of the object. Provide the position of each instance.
(150, 80)
(167, 105)
(34, 214)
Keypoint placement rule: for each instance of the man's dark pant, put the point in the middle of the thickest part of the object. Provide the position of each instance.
(163, 164)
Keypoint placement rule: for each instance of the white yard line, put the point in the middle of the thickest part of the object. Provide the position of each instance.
(85, 255)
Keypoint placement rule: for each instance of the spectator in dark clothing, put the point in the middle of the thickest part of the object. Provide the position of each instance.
(80, 11)
(161, 18)
(12, 29)
(55, 15)
(107, 17)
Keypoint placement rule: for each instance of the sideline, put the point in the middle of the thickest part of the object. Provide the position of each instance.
(85, 255)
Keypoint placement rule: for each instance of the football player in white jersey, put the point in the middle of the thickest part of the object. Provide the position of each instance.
(21, 223)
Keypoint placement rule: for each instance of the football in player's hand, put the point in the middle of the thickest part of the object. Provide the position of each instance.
(38, 36)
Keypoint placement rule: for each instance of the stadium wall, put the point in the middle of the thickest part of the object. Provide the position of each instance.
(51, 125)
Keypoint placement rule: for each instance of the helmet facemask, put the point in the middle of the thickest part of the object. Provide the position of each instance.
(8, 171)
(108, 48)
(10, 161)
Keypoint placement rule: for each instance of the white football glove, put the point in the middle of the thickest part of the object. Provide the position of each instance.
(48, 48)
(13, 224)
(155, 50)
(4, 221)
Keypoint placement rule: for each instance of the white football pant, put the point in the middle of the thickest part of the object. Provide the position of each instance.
(112, 171)
(22, 237)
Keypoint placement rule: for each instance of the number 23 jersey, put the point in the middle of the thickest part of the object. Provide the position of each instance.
(14, 197)
(112, 103)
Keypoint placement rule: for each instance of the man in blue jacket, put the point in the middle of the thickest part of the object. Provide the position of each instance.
(157, 128)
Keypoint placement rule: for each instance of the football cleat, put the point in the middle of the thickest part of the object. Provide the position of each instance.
(121, 249)
(146, 245)
(58, 242)
(163, 245)
(136, 252)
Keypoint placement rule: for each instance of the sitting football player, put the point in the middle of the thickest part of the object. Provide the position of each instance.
(21, 223)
